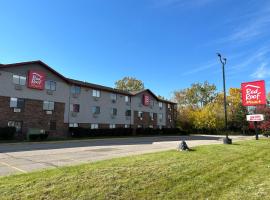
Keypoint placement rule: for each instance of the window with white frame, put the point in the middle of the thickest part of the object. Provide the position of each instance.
(75, 108)
(19, 80)
(150, 126)
(94, 126)
(75, 90)
(114, 111)
(113, 97)
(127, 125)
(139, 126)
(50, 85)
(160, 116)
(151, 115)
(160, 105)
(127, 99)
(96, 93)
(140, 114)
(112, 126)
(96, 110)
(16, 124)
(16, 102)
(48, 105)
(73, 125)
(169, 106)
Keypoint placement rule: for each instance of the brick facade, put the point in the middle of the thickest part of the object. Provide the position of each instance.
(32, 115)
(145, 121)
(171, 114)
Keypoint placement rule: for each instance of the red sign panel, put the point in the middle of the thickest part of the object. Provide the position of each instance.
(146, 100)
(36, 80)
(253, 93)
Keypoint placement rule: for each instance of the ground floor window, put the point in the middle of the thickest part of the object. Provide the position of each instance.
(73, 125)
(16, 124)
(127, 126)
(112, 125)
(94, 126)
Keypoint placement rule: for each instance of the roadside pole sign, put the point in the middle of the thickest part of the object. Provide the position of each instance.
(255, 118)
(253, 94)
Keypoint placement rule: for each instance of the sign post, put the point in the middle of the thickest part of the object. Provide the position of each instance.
(253, 94)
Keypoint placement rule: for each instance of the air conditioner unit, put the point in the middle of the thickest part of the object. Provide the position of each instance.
(49, 92)
(141, 118)
(74, 114)
(75, 95)
(18, 87)
(96, 98)
(113, 101)
(48, 112)
(17, 110)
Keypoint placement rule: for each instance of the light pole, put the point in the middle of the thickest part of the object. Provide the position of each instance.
(223, 61)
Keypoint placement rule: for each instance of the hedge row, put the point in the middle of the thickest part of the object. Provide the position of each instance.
(7, 133)
(86, 132)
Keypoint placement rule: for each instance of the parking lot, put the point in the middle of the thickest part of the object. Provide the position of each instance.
(27, 157)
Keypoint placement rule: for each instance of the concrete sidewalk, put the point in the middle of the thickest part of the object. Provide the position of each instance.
(27, 157)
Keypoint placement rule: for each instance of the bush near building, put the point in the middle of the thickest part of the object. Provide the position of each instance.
(7, 133)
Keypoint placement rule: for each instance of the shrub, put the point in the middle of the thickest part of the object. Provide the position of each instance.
(38, 137)
(7, 133)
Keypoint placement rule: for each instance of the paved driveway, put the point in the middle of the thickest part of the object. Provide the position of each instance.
(26, 157)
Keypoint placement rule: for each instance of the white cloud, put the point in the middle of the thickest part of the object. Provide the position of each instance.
(261, 72)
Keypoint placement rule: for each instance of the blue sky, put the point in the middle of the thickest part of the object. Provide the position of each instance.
(168, 44)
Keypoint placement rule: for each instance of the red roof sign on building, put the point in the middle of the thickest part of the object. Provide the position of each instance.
(36, 80)
(253, 93)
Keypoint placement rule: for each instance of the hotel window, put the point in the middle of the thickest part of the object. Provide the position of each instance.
(128, 113)
(114, 111)
(160, 116)
(151, 126)
(127, 99)
(94, 126)
(151, 115)
(50, 85)
(160, 105)
(96, 93)
(19, 80)
(140, 114)
(96, 110)
(169, 106)
(112, 126)
(139, 126)
(16, 124)
(169, 117)
(113, 97)
(75, 89)
(73, 125)
(75, 108)
(48, 105)
(16, 102)
(127, 126)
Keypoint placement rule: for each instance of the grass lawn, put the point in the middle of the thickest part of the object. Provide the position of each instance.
(238, 171)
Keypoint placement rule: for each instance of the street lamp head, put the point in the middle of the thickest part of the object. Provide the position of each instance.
(225, 60)
(218, 54)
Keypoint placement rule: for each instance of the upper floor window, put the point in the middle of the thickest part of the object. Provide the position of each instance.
(19, 80)
(75, 89)
(96, 110)
(128, 113)
(140, 114)
(114, 111)
(48, 105)
(75, 108)
(96, 93)
(169, 117)
(50, 85)
(169, 106)
(160, 105)
(151, 115)
(160, 116)
(127, 99)
(16, 102)
(113, 97)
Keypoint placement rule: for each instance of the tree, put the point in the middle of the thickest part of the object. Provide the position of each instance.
(198, 95)
(129, 84)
